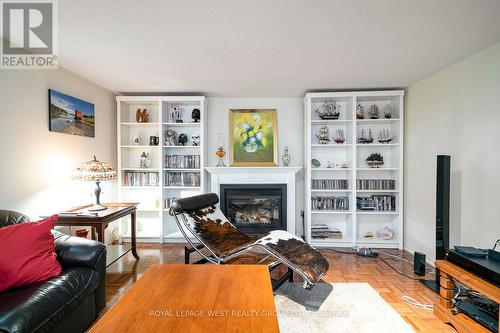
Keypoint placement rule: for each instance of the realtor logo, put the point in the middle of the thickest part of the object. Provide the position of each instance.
(29, 34)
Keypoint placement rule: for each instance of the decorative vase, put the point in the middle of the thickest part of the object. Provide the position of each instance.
(286, 157)
(220, 150)
(251, 146)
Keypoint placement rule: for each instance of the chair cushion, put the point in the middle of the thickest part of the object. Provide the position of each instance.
(40, 305)
(28, 253)
(300, 254)
(214, 229)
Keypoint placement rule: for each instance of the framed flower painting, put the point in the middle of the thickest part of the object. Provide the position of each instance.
(253, 137)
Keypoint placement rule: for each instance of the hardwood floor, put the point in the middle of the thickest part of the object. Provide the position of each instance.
(343, 268)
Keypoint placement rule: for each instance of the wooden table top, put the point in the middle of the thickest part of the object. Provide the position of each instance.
(195, 298)
(115, 211)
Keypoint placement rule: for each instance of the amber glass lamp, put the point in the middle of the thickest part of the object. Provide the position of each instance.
(95, 171)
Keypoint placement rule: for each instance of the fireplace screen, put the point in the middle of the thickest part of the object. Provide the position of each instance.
(255, 208)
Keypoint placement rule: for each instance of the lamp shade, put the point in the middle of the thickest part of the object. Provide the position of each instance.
(94, 171)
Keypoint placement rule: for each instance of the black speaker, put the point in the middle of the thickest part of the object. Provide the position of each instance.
(442, 206)
(419, 263)
(442, 215)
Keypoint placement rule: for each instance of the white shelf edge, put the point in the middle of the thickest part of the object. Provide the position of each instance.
(179, 147)
(380, 120)
(331, 169)
(331, 145)
(182, 187)
(181, 124)
(137, 146)
(331, 212)
(332, 191)
(377, 169)
(377, 191)
(377, 213)
(377, 144)
(139, 124)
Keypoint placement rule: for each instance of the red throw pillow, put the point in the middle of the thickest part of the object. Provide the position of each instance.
(27, 253)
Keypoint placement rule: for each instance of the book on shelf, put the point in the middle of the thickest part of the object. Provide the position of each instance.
(184, 179)
(376, 184)
(330, 203)
(330, 184)
(377, 203)
(182, 161)
(141, 178)
(321, 231)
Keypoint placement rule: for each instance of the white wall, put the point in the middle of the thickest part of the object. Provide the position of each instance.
(455, 112)
(36, 164)
(290, 131)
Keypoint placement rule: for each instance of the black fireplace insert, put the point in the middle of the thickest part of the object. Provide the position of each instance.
(254, 208)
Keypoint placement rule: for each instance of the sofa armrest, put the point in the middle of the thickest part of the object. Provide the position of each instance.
(77, 251)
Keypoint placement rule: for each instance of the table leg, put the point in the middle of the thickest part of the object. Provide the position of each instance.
(133, 238)
(100, 233)
(446, 289)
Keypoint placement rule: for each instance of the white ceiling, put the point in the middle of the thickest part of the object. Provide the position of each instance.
(269, 47)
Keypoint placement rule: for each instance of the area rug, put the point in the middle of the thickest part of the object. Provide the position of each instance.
(336, 307)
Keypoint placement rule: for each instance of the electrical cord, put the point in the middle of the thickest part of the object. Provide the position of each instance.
(428, 270)
(414, 302)
(394, 269)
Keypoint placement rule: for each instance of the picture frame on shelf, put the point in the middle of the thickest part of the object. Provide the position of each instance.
(253, 137)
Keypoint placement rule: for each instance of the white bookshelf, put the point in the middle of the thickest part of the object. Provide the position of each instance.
(154, 224)
(353, 223)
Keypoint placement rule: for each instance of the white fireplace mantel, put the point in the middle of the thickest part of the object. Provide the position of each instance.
(259, 175)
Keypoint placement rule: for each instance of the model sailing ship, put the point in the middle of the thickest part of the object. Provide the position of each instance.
(328, 110)
(323, 135)
(384, 136)
(364, 138)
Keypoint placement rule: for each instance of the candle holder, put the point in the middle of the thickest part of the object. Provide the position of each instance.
(220, 151)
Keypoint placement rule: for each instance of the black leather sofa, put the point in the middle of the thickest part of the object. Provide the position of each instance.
(67, 303)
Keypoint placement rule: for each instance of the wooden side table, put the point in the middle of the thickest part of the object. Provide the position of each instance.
(100, 221)
(442, 309)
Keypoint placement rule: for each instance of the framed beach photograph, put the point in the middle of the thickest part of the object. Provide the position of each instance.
(253, 137)
(70, 115)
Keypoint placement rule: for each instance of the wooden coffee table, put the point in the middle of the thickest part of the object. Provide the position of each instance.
(195, 298)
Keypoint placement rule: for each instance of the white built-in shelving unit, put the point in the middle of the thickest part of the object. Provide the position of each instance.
(354, 223)
(154, 224)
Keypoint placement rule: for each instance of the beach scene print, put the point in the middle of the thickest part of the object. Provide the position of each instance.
(71, 115)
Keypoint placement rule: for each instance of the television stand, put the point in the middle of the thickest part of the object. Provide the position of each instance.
(443, 308)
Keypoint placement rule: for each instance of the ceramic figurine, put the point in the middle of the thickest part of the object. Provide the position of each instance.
(328, 110)
(195, 139)
(360, 112)
(388, 111)
(329, 165)
(142, 116)
(145, 161)
(385, 234)
(175, 114)
(375, 160)
(315, 163)
(170, 138)
(195, 115)
(286, 157)
(183, 139)
(373, 112)
(323, 135)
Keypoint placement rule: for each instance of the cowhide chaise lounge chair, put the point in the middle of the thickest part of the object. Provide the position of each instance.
(201, 216)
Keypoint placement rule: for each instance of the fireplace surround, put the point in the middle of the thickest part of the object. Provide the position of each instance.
(255, 208)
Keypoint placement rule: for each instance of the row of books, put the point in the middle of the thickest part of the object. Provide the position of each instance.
(139, 178)
(376, 184)
(330, 184)
(377, 202)
(330, 203)
(182, 161)
(187, 179)
(321, 231)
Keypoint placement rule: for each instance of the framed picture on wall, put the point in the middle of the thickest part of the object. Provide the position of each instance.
(253, 137)
(70, 115)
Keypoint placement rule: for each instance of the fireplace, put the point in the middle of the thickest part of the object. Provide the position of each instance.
(255, 208)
